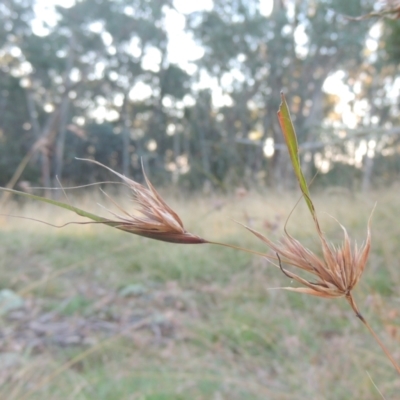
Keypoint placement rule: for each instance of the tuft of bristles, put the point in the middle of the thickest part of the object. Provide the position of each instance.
(156, 220)
(336, 274)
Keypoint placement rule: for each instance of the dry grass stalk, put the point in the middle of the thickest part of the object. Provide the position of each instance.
(339, 269)
(155, 219)
(335, 274)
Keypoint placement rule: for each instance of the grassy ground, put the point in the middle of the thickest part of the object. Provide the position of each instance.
(108, 315)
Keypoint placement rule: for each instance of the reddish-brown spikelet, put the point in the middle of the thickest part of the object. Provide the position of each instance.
(156, 220)
(336, 273)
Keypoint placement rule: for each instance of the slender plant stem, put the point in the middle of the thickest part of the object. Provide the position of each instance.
(257, 253)
(353, 305)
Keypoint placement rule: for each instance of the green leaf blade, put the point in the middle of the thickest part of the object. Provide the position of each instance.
(290, 136)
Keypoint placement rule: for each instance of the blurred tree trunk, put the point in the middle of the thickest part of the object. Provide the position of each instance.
(205, 159)
(59, 148)
(177, 144)
(38, 133)
(367, 173)
(126, 136)
(280, 161)
(64, 111)
(33, 115)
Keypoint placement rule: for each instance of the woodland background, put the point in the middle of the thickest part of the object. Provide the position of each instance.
(104, 80)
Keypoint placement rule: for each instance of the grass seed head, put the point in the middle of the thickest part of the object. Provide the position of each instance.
(155, 219)
(335, 274)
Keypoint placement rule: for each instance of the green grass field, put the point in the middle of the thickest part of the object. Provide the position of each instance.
(108, 315)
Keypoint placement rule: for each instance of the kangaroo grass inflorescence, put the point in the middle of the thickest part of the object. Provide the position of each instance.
(156, 220)
(341, 268)
(335, 274)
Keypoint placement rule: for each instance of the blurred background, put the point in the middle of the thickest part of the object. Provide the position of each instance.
(192, 89)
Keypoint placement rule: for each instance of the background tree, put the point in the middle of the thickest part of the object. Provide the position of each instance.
(98, 81)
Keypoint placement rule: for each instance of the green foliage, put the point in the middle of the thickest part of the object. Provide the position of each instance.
(92, 65)
(391, 29)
